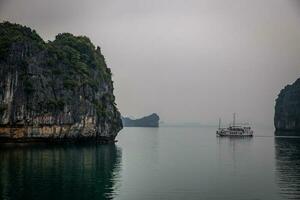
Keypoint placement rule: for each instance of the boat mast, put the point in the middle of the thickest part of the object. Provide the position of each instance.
(233, 119)
(219, 123)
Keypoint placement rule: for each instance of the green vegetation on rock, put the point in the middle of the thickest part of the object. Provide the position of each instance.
(16, 34)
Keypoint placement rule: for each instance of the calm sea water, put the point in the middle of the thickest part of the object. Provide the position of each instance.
(155, 163)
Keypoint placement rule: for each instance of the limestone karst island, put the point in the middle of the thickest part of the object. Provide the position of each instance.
(56, 90)
(147, 121)
(287, 110)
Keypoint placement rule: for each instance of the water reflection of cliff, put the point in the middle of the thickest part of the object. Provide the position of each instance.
(59, 172)
(288, 167)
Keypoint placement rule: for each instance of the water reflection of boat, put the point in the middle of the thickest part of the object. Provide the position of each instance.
(86, 171)
(287, 153)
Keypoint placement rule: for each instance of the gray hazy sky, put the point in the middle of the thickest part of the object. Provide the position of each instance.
(187, 60)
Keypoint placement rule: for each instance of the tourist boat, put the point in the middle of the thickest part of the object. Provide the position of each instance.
(234, 130)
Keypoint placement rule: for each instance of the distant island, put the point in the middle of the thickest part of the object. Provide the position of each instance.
(54, 91)
(148, 121)
(287, 110)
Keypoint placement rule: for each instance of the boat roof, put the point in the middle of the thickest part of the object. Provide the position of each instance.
(238, 126)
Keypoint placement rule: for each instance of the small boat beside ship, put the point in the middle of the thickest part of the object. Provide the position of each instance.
(234, 130)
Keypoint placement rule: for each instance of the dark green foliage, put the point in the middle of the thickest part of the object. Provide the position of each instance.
(70, 84)
(99, 107)
(56, 71)
(28, 86)
(82, 64)
(14, 33)
(93, 83)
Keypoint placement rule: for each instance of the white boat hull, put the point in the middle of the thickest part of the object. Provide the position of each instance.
(234, 135)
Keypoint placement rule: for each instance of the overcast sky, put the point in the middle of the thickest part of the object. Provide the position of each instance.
(187, 60)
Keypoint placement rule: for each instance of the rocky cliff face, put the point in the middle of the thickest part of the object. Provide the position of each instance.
(287, 109)
(148, 121)
(55, 90)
